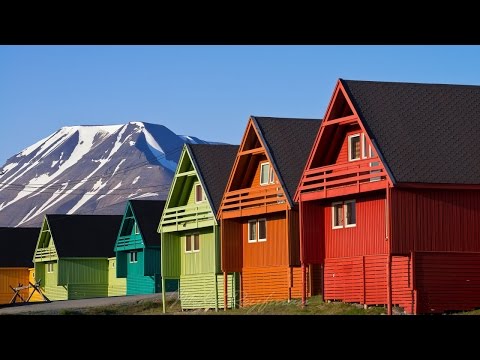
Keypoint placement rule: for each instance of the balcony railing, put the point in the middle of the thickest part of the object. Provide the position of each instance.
(185, 214)
(45, 253)
(357, 174)
(253, 197)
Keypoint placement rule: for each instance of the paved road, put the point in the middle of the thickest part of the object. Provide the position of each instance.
(55, 306)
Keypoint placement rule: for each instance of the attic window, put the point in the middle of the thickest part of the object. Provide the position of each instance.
(199, 194)
(266, 174)
(354, 147)
(137, 231)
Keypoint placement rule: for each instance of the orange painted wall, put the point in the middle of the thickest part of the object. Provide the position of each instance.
(12, 277)
(256, 178)
(294, 237)
(274, 251)
(366, 238)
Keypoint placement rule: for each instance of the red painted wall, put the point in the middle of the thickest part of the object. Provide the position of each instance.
(342, 156)
(435, 220)
(366, 238)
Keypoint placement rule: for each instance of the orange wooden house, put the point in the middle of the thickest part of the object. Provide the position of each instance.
(390, 196)
(17, 246)
(259, 219)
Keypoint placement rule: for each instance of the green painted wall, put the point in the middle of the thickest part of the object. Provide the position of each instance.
(151, 263)
(199, 262)
(83, 271)
(49, 282)
(171, 266)
(87, 291)
(198, 291)
(116, 286)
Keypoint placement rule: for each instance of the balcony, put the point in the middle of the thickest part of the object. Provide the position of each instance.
(187, 217)
(45, 254)
(253, 201)
(337, 180)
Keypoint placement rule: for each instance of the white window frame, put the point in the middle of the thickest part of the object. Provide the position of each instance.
(258, 230)
(50, 269)
(254, 222)
(192, 247)
(350, 137)
(271, 176)
(366, 148)
(345, 217)
(267, 163)
(334, 204)
(136, 230)
(204, 197)
(133, 257)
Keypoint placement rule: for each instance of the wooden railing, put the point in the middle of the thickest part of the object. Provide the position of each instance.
(355, 173)
(128, 242)
(253, 197)
(45, 253)
(189, 213)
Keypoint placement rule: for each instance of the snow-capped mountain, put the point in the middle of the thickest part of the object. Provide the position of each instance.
(89, 170)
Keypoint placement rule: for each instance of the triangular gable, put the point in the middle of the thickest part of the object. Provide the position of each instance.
(186, 175)
(340, 111)
(126, 228)
(245, 165)
(45, 249)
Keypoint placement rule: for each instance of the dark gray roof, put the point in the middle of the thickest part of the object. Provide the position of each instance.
(84, 235)
(148, 214)
(17, 246)
(426, 133)
(289, 142)
(214, 164)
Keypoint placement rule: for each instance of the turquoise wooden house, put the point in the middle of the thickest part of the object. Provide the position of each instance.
(189, 230)
(72, 255)
(138, 248)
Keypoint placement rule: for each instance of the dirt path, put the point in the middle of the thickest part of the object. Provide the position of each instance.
(55, 306)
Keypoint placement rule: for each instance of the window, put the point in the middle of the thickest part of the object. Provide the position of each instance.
(257, 230)
(192, 243)
(350, 213)
(344, 214)
(136, 229)
(264, 173)
(262, 230)
(50, 268)
(252, 231)
(354, 147)
(113, 264)
(133, 257)
(199, 194)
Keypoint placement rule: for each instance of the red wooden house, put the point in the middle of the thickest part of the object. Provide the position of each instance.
(390, 196)
(259, 219)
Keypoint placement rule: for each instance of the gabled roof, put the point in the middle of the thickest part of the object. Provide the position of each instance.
(213, 164)
(84, 235)
(148, 214)
(17, 246)
(288, 142)
(426, 133)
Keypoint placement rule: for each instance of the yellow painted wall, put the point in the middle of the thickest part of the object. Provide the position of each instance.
(36, 296)
(13, 277)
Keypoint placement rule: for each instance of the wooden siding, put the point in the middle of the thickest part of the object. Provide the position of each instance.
(87, 291)
(151, 261)
(435, 220)
(312, 232)
(203, 261)
(171, 257)
(273, 283)
(49, 283)
(82, 271)
(116, 286)
(342, 155)
(12, 277)
(363, 279)
(140, 284)
(447, 281)
(197, 291)
(368, 237)
(293, 229)
(232, 245)
(274, 251)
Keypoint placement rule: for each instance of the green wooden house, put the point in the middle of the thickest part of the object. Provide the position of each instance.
(138, 248)
(72, 255)
(189, 230)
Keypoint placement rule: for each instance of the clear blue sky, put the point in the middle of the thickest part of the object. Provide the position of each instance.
(206, 91)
